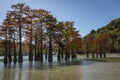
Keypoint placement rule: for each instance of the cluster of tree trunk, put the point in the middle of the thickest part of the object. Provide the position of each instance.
(37, 32)
(96, 46)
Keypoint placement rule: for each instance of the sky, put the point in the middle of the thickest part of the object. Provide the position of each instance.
(87, 14)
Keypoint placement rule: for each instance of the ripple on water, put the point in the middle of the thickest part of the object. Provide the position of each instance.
(80, 70)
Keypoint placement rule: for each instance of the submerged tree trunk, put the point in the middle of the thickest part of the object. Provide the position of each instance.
(69, 55)
(66, 54)
(97, 54)
(30, 52)
(97, 51)
(100, 52)
(62, 55)
(38, 51)
(59, 52)
(87, 50)
(46, 55)
(93, 54)
(87, 54)
(50, 49)
(41, 42)
(5, 54)
(62, 52)
(30, 49)
(9, 53)
(104, 55)
(10, 56)
(74, 56)
(15, 56)
(20, 55)
(35, 57)
(46, 52)
(104, 52)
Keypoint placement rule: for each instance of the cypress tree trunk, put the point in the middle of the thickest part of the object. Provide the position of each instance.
(5, 54)
(87, 54)
(87, 50)
(66, 51)
(59, 53)
(62, 52)
(35, 57)
(93, 54)
(30, 53)
(30, 49)
(97, 51)
(97, 54)
(104, 53)
(38, 55)
(72, 55)
(38, 52)
(15, 56)
(41, 42)
(100, 54)
(62, 55)
(9, 56)
(20, 55)
(50, 49)
(66, 54)
(46, 53)
(46, 56)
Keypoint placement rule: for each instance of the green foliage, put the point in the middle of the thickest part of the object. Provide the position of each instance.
(113, 29)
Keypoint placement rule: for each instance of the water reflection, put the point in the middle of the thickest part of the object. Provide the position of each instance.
(5, 75)
(37, 71)
(79, 70)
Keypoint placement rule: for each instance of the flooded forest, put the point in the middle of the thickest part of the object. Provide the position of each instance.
(35, 45)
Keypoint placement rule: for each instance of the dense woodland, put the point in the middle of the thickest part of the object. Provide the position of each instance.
(37, 33)
(104, 39)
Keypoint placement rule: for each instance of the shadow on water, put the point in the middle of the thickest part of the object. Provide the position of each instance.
(46, 65)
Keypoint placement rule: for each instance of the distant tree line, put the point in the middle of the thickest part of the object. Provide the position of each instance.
(104, 40)
(96, 46)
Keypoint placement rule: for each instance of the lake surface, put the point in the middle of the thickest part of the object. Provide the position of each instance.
(78, 70)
